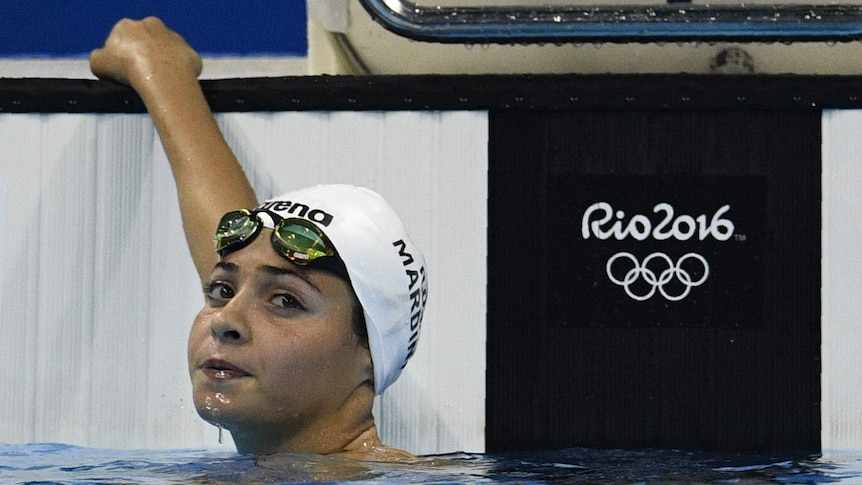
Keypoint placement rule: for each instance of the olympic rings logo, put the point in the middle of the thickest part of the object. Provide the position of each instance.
(646, 271)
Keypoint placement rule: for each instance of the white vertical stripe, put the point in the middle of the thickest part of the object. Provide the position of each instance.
(841, 283)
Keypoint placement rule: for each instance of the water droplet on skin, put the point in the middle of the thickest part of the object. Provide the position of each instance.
(220, 374)
(214, 412)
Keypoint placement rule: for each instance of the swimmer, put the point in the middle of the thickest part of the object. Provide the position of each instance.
(313, 300)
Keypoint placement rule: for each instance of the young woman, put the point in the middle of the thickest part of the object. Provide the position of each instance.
(313, 299)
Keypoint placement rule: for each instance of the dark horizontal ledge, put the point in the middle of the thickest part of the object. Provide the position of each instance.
(470, 92)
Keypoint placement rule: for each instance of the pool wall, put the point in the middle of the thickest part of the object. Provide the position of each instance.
(98, 289)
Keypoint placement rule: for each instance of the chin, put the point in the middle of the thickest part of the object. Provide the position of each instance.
(214, 407)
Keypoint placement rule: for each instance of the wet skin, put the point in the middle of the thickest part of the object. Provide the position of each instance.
(273, 357)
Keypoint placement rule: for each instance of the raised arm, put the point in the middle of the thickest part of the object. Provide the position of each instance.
(163, 69)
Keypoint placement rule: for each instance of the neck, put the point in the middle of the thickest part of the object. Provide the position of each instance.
(349, 429)
(325, 441)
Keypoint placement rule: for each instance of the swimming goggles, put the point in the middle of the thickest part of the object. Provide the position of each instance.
(298, 240)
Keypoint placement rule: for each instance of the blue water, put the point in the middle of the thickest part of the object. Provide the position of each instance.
(63, 464)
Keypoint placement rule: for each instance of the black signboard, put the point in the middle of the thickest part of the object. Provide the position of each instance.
(654, 280)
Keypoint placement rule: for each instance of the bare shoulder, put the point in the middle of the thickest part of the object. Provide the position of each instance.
(379, 453)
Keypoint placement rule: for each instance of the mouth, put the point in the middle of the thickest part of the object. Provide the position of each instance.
(222, 369)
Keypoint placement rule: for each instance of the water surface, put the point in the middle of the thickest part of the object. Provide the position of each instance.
(50, 463)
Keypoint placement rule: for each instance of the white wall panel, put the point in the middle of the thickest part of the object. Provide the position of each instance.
(842, 280)
(98, 289)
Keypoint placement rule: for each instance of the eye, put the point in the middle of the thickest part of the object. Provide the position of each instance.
(287, 301)
(218, 291)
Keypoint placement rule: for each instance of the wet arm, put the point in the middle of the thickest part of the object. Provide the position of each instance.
(163, 70)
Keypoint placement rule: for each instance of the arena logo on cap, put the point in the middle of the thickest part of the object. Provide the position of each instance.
(657, 271)
(300, 210)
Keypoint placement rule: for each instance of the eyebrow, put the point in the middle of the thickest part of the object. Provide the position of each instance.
(273, 271)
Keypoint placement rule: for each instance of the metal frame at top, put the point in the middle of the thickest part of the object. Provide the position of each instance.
(673, 22)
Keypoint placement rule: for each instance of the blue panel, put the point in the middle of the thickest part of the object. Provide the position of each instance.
(73, 28)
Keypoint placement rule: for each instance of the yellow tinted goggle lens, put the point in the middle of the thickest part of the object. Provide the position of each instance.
(300, 241)
(235, 228)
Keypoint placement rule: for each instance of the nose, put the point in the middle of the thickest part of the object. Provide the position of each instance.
(229, 325)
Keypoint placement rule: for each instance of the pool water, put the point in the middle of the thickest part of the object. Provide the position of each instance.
(50, 463)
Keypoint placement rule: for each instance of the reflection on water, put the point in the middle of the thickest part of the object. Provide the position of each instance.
(63, 464)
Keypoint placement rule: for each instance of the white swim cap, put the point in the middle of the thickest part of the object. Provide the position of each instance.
(386, 270)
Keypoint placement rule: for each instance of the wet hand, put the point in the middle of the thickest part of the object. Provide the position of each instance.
(137, 52)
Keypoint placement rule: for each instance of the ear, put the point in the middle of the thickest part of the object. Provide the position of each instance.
(366, 366)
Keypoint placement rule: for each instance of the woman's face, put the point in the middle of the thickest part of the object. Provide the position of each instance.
(272, 354)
